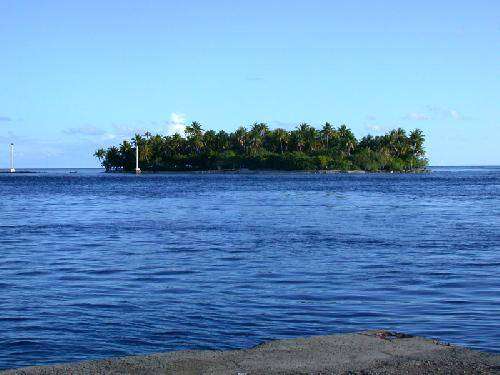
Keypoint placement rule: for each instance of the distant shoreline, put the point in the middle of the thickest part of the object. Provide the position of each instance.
(368, 352)
(216, 171)
(270, 171)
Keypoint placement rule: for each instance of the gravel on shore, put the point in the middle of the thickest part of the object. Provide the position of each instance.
(369, 352)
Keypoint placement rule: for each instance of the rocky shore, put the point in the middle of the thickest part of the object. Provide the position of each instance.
(369, 352)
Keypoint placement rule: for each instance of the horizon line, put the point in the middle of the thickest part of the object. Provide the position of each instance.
(429, 166)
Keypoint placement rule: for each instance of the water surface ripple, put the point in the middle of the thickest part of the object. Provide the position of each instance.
(94, 265)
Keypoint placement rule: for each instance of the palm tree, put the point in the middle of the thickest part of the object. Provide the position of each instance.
(282, 136)
(328, 132)
(397, 142)
(194, 129)
(347, 140)
(210, 141)
(194, 134)
(297, 139)
(176, 144)
(417, 140)
(416, 149)
(157, 147)
(223, 141)
(302, 135)
(100, 154)
(368, 141)
(258, 132)
(240, 136)
(114, 158)
(144, 148)
(307, 136)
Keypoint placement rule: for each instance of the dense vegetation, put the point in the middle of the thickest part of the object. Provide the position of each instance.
(304, 148)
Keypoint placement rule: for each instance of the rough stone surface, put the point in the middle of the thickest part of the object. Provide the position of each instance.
(370, 352)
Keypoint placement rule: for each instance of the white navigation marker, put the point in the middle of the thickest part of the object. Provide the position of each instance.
(12, 170)
(137, 169)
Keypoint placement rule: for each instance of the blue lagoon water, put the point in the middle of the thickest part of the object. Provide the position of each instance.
(95, 265)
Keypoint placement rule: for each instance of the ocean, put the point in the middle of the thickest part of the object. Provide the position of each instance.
(95, 265)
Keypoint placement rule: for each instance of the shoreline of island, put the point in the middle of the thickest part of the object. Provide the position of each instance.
(270, 171)
(367, 352)
(237, 171)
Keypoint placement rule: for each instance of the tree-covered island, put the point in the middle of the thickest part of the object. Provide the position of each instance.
(304, 148)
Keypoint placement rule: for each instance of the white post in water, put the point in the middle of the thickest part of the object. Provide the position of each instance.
(12, 170)
(137, 169)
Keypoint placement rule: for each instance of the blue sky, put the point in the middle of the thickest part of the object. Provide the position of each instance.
(77, 75)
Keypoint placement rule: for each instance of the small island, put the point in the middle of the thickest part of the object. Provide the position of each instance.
(260, 148)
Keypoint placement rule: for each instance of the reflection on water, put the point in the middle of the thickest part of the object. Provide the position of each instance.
(95, 265)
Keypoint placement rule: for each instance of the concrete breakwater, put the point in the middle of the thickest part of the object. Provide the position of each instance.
(368, 352)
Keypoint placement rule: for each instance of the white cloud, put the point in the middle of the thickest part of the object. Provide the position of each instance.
(177, 123)
(109, 136)
(119, 132)
(416, 116)
(447, 112)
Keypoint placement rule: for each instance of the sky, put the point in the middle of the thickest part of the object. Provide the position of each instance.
(78, 75)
